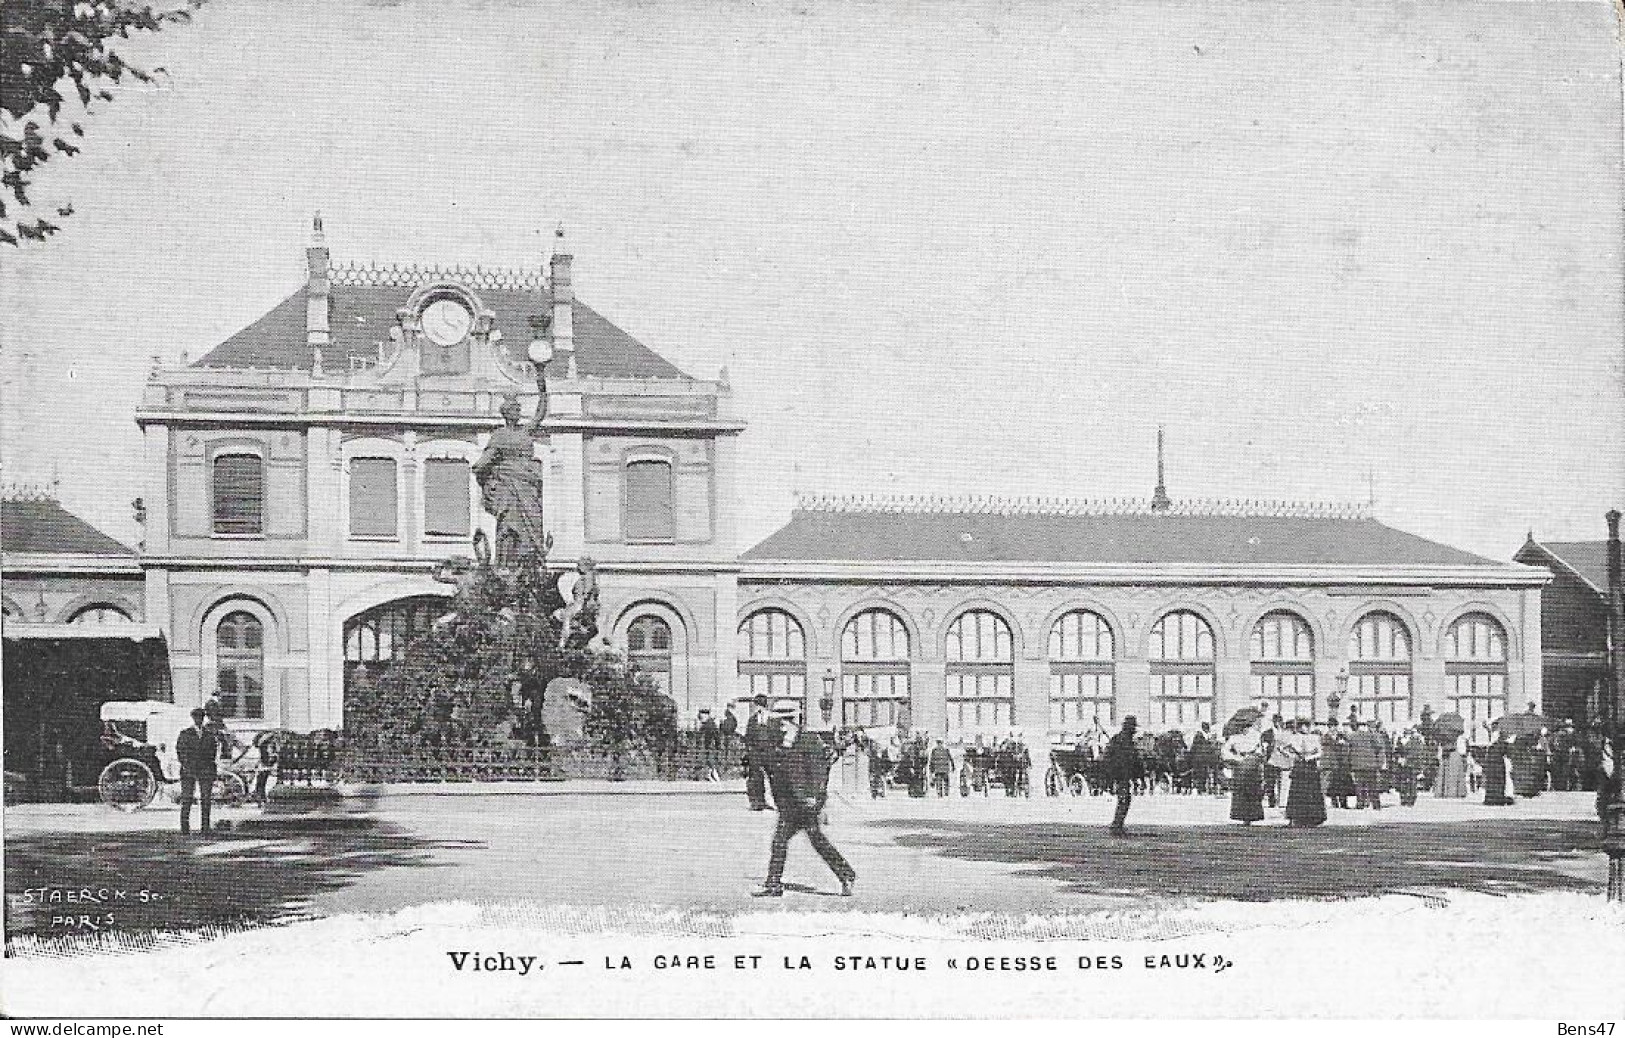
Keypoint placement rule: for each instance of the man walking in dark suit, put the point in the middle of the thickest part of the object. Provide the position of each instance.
(198, 749)
(800, 777)
(1121, 764)
(1367, 761)
(761, 742)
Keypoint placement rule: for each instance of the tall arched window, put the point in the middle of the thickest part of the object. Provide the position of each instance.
(1082, 680)
(1475, 667)
(981, 672)
(1182, 674)
(100, 613)
(874, 669)
(1380, 668)
(240, 665)
(772, 656)
(648, 645)
(1283, 664)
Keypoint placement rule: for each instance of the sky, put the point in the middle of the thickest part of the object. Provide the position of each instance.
(1337, 250)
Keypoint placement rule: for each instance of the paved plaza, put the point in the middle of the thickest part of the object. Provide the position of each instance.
(695, 847)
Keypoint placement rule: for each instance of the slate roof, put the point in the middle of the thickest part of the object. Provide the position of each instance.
(360, 316)
(1589, 559)
(1105, 539)
(43, 526)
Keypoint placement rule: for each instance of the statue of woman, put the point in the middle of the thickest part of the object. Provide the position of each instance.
(510, 481)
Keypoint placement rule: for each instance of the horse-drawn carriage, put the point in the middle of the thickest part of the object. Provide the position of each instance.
(139, 738)
(1070, 771)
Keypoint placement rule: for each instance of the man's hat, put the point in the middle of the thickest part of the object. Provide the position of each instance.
(198, 713)
(760, 701)
(1130, 722)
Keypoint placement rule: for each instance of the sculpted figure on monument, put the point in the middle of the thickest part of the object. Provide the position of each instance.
(510, 478)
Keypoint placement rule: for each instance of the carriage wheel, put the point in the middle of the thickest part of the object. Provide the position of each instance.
(1075, 783)
(127, 785)
(1053, 781)
(230, 789)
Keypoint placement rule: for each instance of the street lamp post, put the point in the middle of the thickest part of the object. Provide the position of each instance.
(826, 705)
(1613, 805)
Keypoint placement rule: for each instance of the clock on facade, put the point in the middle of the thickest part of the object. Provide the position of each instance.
(447, 322)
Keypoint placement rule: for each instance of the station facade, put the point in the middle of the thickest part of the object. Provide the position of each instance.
(303, 479)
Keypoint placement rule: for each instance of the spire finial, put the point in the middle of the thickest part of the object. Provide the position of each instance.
(316, 234)
(1159, 497)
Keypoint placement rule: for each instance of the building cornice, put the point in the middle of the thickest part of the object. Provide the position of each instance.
(1335, 576)
(301, 563)
(214, 419)
(20, 562)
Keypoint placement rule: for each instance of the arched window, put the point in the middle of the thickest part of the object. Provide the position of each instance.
(1283, 665)
(981, 672)
(1182, 674)
(1380, 668)
(240, 665)
(874, 669)
(1082, 682)
(100, 613)
(239, 494)
(772, 656)
(648, 645)
(1475, 667)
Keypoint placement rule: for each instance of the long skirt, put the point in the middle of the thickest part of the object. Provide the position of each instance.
(1304, 803)
(1247, 793)
(1495, 780)
(1527, 774)
(1452, 776)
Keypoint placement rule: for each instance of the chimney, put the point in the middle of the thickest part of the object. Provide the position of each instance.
(563, 327)
(1159, 498)
(316, 292)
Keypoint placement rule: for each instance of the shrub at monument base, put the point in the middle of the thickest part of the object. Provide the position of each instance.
(476, 678)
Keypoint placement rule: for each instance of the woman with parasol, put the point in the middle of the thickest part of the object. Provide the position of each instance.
(1528, 769)
(1449, 733)
(1244, 751)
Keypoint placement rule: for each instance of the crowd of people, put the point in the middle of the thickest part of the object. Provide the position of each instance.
(915, 762)
(1304, 767)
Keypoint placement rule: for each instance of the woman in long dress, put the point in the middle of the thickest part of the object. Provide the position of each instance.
(1305, 804)
(1453, 769)
(1496, 755)
(1244, 752)
(1527, 772)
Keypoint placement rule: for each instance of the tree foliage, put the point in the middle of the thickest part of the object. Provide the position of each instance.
(477, 677)
(56, 62)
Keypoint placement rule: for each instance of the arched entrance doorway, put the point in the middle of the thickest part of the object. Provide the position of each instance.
(375, 639)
